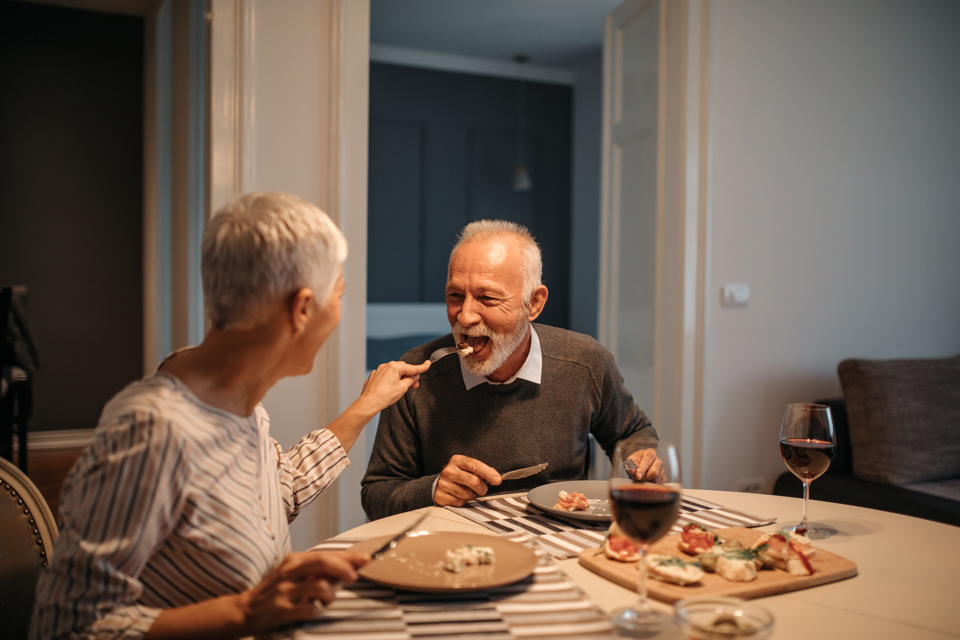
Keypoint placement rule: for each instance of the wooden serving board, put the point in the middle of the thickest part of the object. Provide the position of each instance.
(827, 567)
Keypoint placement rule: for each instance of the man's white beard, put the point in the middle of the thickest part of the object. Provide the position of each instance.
(501, 345)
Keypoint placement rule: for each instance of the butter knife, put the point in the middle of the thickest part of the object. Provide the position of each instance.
(395, 540)
(523, 473)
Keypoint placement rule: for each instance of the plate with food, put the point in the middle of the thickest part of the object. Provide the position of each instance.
(447, 562)
(734, 562)
(578, 499)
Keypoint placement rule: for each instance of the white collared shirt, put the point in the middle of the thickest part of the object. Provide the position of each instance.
(531, 369)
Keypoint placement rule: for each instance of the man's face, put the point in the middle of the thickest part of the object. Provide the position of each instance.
(485, 303)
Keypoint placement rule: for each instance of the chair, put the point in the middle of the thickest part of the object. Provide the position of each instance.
(28, 534)
(18, 364)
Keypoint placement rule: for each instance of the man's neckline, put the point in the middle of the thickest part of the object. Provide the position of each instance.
(531, 369)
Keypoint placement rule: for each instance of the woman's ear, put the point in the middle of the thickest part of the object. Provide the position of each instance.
(537, 301)
(301, 309)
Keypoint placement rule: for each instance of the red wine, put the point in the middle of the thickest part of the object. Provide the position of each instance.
(645, 512)
(807, 459)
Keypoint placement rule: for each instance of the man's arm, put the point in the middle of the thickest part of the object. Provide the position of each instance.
(619, 419)
(394, 481)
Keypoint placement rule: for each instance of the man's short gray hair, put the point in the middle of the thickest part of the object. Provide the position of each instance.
(532, 260)
(260, 248)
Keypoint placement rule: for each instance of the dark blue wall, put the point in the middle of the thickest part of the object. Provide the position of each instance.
(443, 150)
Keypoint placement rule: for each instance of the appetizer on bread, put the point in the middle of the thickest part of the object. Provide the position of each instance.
(695, 538)
(731, 561)
(617, 546)
(571, 502)
(673, 569)
(787, 551)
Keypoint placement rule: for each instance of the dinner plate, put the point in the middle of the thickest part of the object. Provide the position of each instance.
(596, 491)
(416, 563)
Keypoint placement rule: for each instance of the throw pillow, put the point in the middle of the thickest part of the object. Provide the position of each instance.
(904, 418)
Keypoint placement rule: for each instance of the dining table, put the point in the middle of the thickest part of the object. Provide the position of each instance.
(906, 586)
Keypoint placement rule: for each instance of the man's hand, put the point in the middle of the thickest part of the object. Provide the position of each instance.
(290, 592)
(463, 479)
(389, 382)
(649, 466)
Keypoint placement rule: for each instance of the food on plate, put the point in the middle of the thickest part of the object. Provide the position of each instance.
(787, 551)
(696, 538)
(571, 501)
(456, 560)
(464, 348)
(673, 569)
(731, 561)
(617, 546)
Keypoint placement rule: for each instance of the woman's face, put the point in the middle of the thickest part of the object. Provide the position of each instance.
(323, 322)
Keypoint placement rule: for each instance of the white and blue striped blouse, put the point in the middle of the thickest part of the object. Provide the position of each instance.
(173, 503)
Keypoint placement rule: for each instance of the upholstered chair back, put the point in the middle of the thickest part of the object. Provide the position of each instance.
(28, 534)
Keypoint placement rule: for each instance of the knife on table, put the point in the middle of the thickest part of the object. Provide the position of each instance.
(523, 473)
(395, 540)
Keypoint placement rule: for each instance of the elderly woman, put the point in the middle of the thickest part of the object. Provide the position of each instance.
(175, 519)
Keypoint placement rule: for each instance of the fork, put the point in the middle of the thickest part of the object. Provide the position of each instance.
(439, 353)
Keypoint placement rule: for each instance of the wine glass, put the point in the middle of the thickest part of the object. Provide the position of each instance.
(645, 511)
(807, 445)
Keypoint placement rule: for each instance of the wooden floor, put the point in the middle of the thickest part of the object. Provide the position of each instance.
(48, 468)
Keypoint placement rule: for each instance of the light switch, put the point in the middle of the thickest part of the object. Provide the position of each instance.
(735, 296)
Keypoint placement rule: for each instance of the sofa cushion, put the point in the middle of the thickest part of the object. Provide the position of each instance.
(949, 489)
(904, 418)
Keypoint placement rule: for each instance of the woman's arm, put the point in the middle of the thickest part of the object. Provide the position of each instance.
(383, 387)
(307, 468)
(288, 594)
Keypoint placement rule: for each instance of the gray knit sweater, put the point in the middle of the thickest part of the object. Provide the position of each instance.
(506, 426)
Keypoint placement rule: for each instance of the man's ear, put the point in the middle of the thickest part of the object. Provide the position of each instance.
(301, 308)
(537, 300)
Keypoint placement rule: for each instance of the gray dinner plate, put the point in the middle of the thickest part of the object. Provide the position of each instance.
(596, 491)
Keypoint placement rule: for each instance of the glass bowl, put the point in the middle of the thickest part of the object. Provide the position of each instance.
(723, 619)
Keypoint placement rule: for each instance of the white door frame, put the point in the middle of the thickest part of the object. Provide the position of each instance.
(341, 362)
(681, 254)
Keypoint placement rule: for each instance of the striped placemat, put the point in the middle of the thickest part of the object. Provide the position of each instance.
(567, 537)
(546, 605)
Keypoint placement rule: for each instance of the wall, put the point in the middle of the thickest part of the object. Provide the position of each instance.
(71, 105)
(443, 149)
(834, 194)
(585, 197)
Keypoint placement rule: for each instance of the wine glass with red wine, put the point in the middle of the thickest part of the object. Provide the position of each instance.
(807, 445)
(645, 508)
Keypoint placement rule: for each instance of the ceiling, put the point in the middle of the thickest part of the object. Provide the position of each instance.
(553, 33)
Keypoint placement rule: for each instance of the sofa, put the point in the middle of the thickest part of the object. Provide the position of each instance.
(898, 439)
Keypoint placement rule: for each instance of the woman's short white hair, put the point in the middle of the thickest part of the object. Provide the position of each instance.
(532, 260)
(260, 248)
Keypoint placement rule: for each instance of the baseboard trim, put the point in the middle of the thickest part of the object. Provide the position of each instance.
(63, 439)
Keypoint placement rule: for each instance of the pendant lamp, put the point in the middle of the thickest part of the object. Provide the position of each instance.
(521, 177)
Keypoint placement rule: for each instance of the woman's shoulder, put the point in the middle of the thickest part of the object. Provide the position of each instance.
(154, 395)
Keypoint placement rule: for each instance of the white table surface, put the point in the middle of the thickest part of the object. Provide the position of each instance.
(908, 587)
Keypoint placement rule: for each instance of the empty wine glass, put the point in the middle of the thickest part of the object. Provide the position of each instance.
(645, 512)
(807, 445)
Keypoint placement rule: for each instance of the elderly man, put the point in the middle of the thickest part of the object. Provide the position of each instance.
(527, 394)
